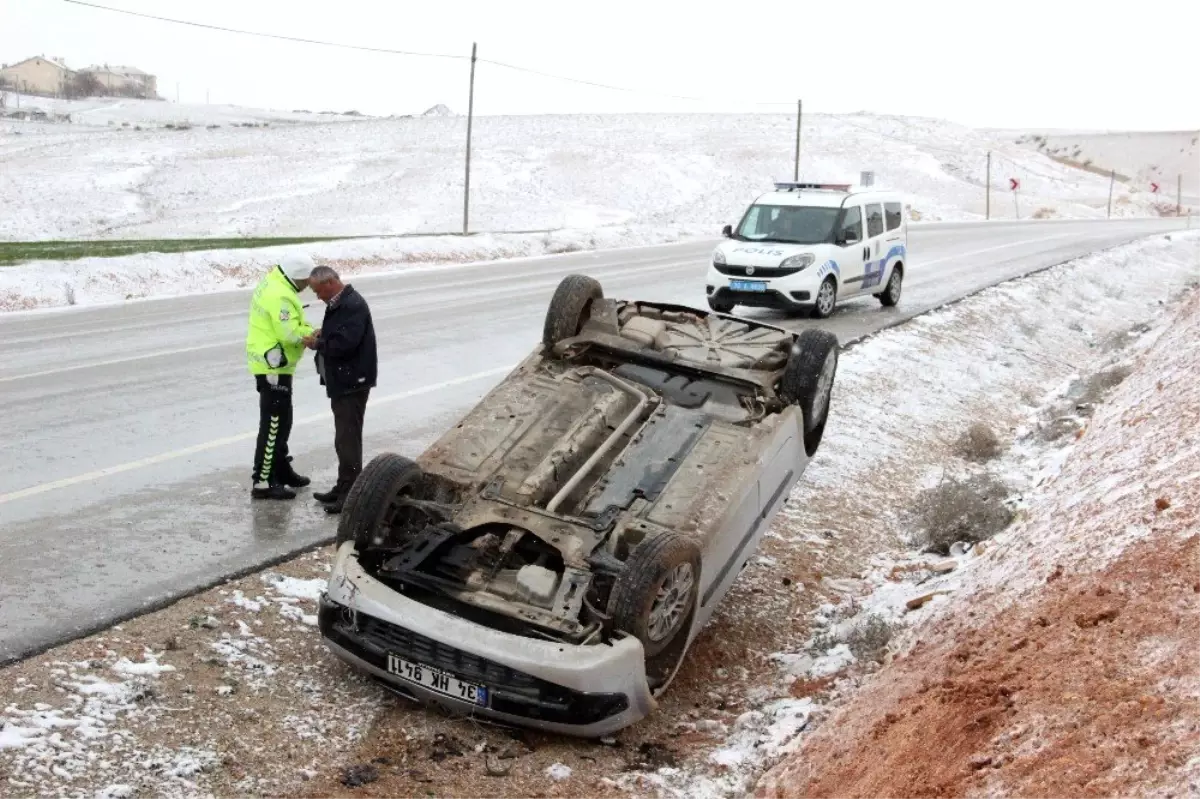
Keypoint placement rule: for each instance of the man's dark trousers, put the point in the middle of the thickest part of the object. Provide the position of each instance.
(349, 410)
(274, 426)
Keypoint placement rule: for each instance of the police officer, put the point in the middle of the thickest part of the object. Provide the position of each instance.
(275, 342)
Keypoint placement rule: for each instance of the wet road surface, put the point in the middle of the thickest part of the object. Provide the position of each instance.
(130, 429)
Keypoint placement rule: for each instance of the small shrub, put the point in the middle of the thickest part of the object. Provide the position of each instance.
(969, 510)
(1097, 387)
(979, 444)
(868, 639)
(1045, 213)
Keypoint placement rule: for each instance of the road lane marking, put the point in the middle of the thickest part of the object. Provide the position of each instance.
(993, 249)
(539, 281)
(163, 457)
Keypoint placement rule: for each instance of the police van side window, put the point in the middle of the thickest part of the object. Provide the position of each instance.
(851, 230)
(874, 220)
(893, 213)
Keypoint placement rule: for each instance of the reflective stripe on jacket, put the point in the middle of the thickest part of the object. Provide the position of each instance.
(274, 336)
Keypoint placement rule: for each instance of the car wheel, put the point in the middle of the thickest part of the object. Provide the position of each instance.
(891, 295)
(807, 381)
(654, 599)
(720, 307)
(826, 299)
(569, 308)
(371, 514)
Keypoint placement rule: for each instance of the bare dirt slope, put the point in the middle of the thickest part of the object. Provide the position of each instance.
(1067, 665)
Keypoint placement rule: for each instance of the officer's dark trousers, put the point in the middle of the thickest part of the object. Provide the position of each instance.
(349, 410)
(274, 426)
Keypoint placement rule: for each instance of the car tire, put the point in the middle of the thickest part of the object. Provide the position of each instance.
(369, 513)
(890, 297)
(569, 308)
(808, 379)
(823, 309)
(662, 562)
(720, 307)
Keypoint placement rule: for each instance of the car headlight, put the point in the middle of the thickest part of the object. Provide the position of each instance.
(796, 262)
(718, 258)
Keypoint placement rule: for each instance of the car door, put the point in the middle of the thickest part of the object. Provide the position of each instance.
(853, 254)
(874, 253)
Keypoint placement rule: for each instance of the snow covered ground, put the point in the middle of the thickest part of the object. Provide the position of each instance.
(184, 686)
(528, 173)
(594, 181)
(101, 112)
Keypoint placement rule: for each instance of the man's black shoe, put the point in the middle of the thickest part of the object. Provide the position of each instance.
(328, 496)
(335, 508)
(272, 492)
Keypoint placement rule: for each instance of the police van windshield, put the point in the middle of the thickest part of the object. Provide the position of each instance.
(791, 224)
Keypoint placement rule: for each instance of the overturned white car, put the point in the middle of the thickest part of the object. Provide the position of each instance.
(549, 560)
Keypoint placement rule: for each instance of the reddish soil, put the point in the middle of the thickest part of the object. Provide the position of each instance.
(1090, 691)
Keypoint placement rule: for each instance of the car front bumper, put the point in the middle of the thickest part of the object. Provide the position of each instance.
(788, 291)
(586, 691)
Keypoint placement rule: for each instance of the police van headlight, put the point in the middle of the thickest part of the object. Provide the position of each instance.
(718, 258)
(797, 262)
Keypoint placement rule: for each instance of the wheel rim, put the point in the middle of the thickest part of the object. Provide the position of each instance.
(894, 286)
(825, 298)
(395, 512)
(820, 404)
(671, 602)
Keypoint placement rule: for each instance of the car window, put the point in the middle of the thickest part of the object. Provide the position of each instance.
(874, 220)
(851, 229)
(893, 213)
(792, 224)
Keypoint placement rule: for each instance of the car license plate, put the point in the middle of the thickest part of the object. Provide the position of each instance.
(747, 285)
(437, 680)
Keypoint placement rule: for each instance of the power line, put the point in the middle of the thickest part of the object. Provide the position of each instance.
(390, 51)
(617, 88)
(270, 35)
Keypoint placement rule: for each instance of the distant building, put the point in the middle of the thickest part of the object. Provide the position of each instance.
(124, 81)
(37, 75)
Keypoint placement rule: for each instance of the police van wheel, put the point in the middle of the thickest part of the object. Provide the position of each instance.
(720, 307)
(891, 295)
(826, 299)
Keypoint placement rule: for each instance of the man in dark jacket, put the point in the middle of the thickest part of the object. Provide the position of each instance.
(348, 365)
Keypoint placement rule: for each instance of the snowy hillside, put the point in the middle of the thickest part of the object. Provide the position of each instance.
(661, 173)
(122, 111)
(1142, 158)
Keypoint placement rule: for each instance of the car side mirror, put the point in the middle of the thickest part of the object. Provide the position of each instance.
(727, 231)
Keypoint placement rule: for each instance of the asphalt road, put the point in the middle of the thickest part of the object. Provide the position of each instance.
(129, 429)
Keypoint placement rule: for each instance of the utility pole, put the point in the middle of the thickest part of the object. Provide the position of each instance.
(1179, 195)
(470, 120)
(988, 188)
(1112, 181)
(799, 119)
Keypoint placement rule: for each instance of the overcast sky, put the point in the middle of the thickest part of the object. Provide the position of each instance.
(1051, 63)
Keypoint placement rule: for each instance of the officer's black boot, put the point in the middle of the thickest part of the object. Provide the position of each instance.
(286, 475)
(275, 491)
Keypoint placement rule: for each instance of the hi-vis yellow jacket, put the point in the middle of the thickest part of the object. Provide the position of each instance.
(274, 343)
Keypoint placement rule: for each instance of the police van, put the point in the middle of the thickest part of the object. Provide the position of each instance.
(809, 246)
